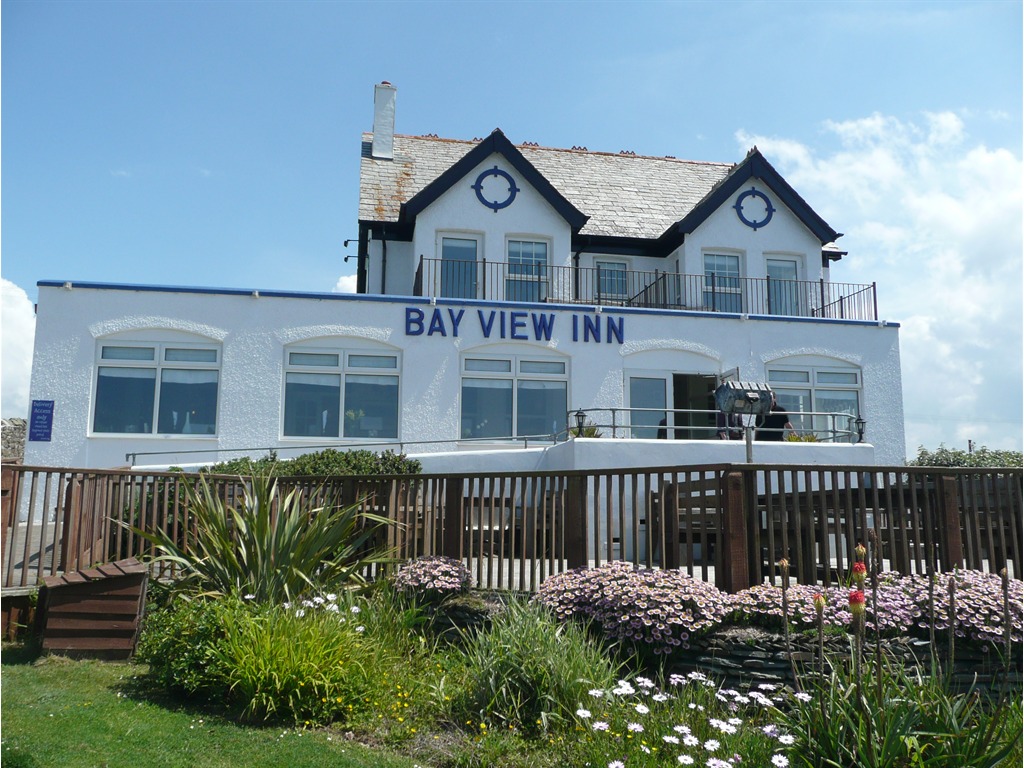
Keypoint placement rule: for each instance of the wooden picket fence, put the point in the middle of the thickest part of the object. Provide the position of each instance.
(729, 523)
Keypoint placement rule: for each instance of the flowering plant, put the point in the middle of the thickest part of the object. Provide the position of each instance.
(432, 579)
(655, 610)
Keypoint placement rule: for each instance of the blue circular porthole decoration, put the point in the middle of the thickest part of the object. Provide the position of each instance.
(491, 196)
(754, 208)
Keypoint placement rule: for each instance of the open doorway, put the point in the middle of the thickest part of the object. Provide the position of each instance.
(694, 392)
(663, 405)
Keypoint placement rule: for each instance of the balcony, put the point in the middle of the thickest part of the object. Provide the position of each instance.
(538, 283)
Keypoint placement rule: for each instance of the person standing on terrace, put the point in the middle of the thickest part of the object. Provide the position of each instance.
(773, 426)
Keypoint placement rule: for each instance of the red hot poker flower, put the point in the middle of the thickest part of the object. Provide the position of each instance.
(859, 573)
(857, 602)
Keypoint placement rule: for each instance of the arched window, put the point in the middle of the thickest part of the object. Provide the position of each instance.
(821, 386)
(165, 388)
(335, 391)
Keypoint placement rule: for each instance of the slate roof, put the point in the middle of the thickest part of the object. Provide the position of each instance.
(624, 195)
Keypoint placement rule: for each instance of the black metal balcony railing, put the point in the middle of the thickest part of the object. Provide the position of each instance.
(500, 281)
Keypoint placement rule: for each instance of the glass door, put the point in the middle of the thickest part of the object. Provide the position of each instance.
(648, 393)
(458, 268)
(783, 289)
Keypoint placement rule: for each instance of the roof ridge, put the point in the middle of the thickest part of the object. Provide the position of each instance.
(575, 149)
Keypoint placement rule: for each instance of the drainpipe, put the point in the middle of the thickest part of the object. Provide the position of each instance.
(362, 257)
(576, 275)
(383, 262)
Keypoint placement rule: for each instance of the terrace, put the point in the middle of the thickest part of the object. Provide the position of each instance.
(605, 286)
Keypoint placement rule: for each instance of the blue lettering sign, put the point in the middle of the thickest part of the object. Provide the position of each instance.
(543, 325)
(40, 425)
(456, 319)
(486, 324)
(413, 321)
(437, 324)
(616, 329)
(518, 323)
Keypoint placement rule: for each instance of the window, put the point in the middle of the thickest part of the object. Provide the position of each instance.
(499, 393)
(166, 389)
(458, 267)
(527, 278)
(332, 393)
(823, 390)
(611, 280)
(722, 282)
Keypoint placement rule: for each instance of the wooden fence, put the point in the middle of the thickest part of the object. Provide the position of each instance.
(729, 524)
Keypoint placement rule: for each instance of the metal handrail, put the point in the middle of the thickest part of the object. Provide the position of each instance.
(836, 431)
(542, 283)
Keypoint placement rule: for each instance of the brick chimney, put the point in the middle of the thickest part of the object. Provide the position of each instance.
(384, 121)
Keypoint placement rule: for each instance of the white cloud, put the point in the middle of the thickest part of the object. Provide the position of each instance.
(19, 327)
(345, 284)
(936, 220)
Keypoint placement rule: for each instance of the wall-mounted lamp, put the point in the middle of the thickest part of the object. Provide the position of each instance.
(345, 245)
(859, 423)
(581, 420)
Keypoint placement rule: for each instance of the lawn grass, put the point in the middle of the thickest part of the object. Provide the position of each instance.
(90, 714)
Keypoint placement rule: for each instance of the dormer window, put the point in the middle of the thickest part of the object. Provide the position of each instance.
(527, 278)
(722, 282)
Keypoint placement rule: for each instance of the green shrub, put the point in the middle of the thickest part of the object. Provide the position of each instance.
(955, 457)
(326, 463)
(268, 547)
(300, 663)
(896, 718)
(178, 642)
(528, 671)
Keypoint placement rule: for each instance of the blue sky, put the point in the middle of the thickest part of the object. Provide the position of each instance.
(217, 144)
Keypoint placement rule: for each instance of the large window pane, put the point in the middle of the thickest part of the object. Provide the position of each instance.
(541, 407)
(371, 406)
(647, 393)
(458, 268)
(794, 402)
(124, 399)
(835, 401)
(188, 402)
(486, 408)
(311, 403)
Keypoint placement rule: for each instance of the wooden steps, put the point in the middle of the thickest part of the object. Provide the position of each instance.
(94, 612)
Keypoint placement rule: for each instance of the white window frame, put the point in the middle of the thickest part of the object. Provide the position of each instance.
(600, 264)
(158, 364)
(515, 375)
(739, 277)
(344, 368)
(543, 281)
(817, 387)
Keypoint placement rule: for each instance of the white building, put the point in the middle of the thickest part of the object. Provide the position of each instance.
(501, 287)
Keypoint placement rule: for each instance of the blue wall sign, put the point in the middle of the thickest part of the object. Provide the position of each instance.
(40, 423)
(519, 326)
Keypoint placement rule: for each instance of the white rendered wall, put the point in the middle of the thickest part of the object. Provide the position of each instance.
(253, 333)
